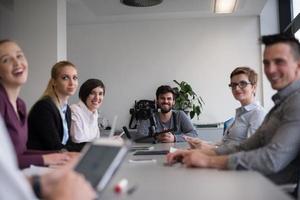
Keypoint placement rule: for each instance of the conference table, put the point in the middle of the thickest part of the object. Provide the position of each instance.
(153, 179)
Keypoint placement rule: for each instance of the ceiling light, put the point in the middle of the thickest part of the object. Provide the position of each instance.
(141, 3)
(225, 6)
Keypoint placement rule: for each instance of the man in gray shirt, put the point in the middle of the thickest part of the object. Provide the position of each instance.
(173, 123)
(274, 148)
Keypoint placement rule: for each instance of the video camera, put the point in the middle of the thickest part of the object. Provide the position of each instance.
(143, 109)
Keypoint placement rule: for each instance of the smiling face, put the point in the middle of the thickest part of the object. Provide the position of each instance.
(245, 94)
(66, 82)
(13, 65)
(95, 98)
(280, 65)
(166, 102)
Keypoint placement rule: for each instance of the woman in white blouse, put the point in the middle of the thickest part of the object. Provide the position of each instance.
(84, 127)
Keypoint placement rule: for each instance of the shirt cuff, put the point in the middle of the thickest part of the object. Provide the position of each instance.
(233, 161)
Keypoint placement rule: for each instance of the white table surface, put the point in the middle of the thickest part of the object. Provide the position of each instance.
(155, 181)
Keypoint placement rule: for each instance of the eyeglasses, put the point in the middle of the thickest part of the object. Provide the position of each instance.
(241, 84)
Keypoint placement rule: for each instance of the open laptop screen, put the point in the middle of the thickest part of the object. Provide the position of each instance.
(99, 162)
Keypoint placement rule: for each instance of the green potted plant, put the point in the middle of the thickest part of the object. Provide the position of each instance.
(187, 100)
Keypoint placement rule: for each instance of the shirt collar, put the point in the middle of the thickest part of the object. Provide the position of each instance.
(85, 108)
(64, 107)
(247, 108)
(251, 106)
(285, 92)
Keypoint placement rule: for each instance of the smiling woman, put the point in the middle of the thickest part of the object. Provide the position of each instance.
(50, 118)
(14, 71)
(85, 113)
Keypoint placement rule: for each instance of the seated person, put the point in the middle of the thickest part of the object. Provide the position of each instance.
(49, 119)
(13, 75)
(248, 117)
(84, 127)
(58, 184)
(274, 149)
(168, 119)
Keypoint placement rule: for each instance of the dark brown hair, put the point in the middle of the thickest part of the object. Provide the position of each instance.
(88, 86)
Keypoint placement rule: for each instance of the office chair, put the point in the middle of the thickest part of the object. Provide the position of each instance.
(227, 124)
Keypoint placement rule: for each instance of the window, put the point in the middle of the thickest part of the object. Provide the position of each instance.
(296, 17)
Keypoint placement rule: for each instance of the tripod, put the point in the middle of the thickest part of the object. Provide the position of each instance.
(151, 137)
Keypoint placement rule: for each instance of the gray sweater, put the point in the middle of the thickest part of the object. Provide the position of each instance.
(183, 126)
(274, 148)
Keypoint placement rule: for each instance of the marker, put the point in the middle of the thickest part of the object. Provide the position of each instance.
(121, 186)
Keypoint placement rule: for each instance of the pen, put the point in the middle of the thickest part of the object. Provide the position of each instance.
(121, 134)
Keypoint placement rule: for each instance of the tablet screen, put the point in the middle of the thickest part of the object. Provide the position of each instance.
(99, 163)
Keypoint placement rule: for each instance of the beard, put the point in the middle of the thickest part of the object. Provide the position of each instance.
(165, 110)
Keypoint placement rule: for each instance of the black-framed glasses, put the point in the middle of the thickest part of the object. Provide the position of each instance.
(241, 84)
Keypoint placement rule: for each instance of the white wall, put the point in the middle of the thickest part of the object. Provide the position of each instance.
(6, 20)
(40, 29)
(269, 24)
(134, 58)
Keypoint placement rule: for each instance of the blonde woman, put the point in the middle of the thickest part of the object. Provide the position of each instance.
(49, 120)
(13, 75)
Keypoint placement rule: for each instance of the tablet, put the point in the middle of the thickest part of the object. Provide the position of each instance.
(100, 160)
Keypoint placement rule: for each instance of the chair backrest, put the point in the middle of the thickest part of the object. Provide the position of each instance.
(227, 124)
(298, 188)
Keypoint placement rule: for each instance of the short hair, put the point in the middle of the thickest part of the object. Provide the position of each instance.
(293, 42)
(88, 86)
(163, 89)
(252, 75)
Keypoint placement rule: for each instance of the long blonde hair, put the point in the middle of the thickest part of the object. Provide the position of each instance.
(50, 90)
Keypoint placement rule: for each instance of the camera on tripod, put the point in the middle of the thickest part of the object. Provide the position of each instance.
(143, 109)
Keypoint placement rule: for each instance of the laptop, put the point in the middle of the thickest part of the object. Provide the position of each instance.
(100, 160)
(113, 126)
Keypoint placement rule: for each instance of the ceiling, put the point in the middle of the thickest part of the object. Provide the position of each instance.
(103, 11)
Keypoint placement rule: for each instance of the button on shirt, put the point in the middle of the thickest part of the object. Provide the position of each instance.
(247, 119)
(274, 148)
(84, 126)
(63, 111)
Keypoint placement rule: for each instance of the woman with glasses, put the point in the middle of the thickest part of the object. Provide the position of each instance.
(248, 117)
(49, 120)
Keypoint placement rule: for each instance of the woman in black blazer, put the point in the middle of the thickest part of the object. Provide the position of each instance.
(49, 120)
